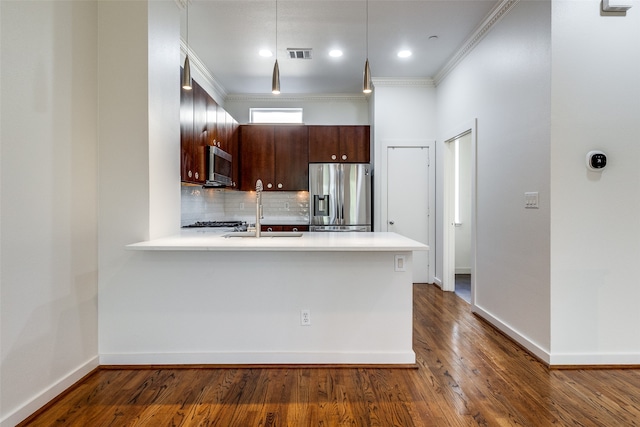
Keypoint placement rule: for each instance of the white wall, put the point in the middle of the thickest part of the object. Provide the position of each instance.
(317, 110)
(505, 82)
(404, 114)
(136, 201)
(595, 243)
(164, 136)
(48, 204)
(226, 307)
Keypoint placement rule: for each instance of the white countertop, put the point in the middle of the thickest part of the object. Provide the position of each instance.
(309, 241)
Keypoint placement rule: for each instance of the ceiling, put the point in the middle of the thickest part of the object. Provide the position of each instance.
(226, 35)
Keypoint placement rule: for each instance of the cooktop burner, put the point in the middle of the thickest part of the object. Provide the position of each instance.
(201, 224)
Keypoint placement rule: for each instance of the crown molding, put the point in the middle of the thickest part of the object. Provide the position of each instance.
(405, 81)
(197, 63)
(324, 97)
(492, 19)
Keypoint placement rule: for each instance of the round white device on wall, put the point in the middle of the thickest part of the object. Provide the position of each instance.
(596, 160)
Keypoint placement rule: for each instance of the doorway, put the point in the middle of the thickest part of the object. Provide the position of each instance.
(459, 214)
(462, 215)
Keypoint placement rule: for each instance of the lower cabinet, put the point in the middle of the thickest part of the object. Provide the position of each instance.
(284, 228)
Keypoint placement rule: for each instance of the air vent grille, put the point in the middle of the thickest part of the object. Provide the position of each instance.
(299, 53)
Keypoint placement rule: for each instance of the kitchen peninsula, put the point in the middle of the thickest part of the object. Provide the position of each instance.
(238, 300)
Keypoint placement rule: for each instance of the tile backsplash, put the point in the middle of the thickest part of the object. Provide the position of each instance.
(210, 204)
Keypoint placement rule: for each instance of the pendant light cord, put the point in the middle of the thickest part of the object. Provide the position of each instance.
(187, 27)
(275, 78)
(367, 29)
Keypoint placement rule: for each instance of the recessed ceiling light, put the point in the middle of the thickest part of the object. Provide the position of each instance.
(335, 53)
(266, 53)
(404, 54)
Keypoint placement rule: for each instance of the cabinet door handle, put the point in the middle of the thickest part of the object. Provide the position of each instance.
(344, 157)
(279, 185)
(197, 175)
(190, 174)
(269, 185)
(295, 228)
(269, 229)
(333, 157)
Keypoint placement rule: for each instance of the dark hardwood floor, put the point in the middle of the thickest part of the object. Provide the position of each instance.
(467, 374)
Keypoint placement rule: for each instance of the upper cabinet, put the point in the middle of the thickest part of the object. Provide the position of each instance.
(186, 133)
(279, 155)
(276, 154)
(339, 144)
(204, 123)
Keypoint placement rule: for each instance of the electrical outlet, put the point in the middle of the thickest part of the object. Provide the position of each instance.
(305, 317)
(241, 205)
(399, 264)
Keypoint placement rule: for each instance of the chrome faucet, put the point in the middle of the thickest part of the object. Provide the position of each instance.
(259, 189)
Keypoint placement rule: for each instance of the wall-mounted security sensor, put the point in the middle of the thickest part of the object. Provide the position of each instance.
(616, 5)
(596, 160)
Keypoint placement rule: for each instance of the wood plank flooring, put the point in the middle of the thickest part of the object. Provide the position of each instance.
(468, 375)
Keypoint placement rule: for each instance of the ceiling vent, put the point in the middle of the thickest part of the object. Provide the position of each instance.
(299, 53)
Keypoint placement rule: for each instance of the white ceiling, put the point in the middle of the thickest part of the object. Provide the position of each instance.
(226, 36)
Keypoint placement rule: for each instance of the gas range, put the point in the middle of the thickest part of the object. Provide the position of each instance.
(215, 224)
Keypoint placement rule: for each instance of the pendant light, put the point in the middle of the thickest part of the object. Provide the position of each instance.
(186, 74)
(275, 78)
(366, 85)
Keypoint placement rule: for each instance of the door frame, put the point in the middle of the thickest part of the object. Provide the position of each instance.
(381, 220)
(448, 220)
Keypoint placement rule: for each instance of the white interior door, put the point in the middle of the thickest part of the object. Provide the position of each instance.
(408, 201)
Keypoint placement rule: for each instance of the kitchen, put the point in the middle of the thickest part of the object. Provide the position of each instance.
(357, 282)
(246, 148)
(56, 319)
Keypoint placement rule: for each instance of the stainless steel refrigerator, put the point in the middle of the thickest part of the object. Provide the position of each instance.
(340, 197)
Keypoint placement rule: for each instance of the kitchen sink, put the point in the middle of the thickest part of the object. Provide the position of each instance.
(263, 234)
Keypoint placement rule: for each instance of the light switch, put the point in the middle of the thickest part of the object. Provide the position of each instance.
(531, 200)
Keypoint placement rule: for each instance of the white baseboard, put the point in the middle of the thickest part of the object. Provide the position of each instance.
(531, 346)
(259, 358)
(437, 282)
(595, 359)
(463, 270)
(560, 359)
(48, 394)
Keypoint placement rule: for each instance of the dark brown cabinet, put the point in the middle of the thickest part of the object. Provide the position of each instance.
(196, 172)
(204, 123)
(339, 144)
(284, 228)
(186, 132)
(276, 154)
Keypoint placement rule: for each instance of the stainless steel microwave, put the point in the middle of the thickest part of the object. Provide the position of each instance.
(218, 167)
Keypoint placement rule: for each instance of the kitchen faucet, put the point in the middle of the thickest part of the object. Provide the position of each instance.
(259, 189)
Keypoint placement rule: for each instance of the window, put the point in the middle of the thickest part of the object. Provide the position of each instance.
(275, 115)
